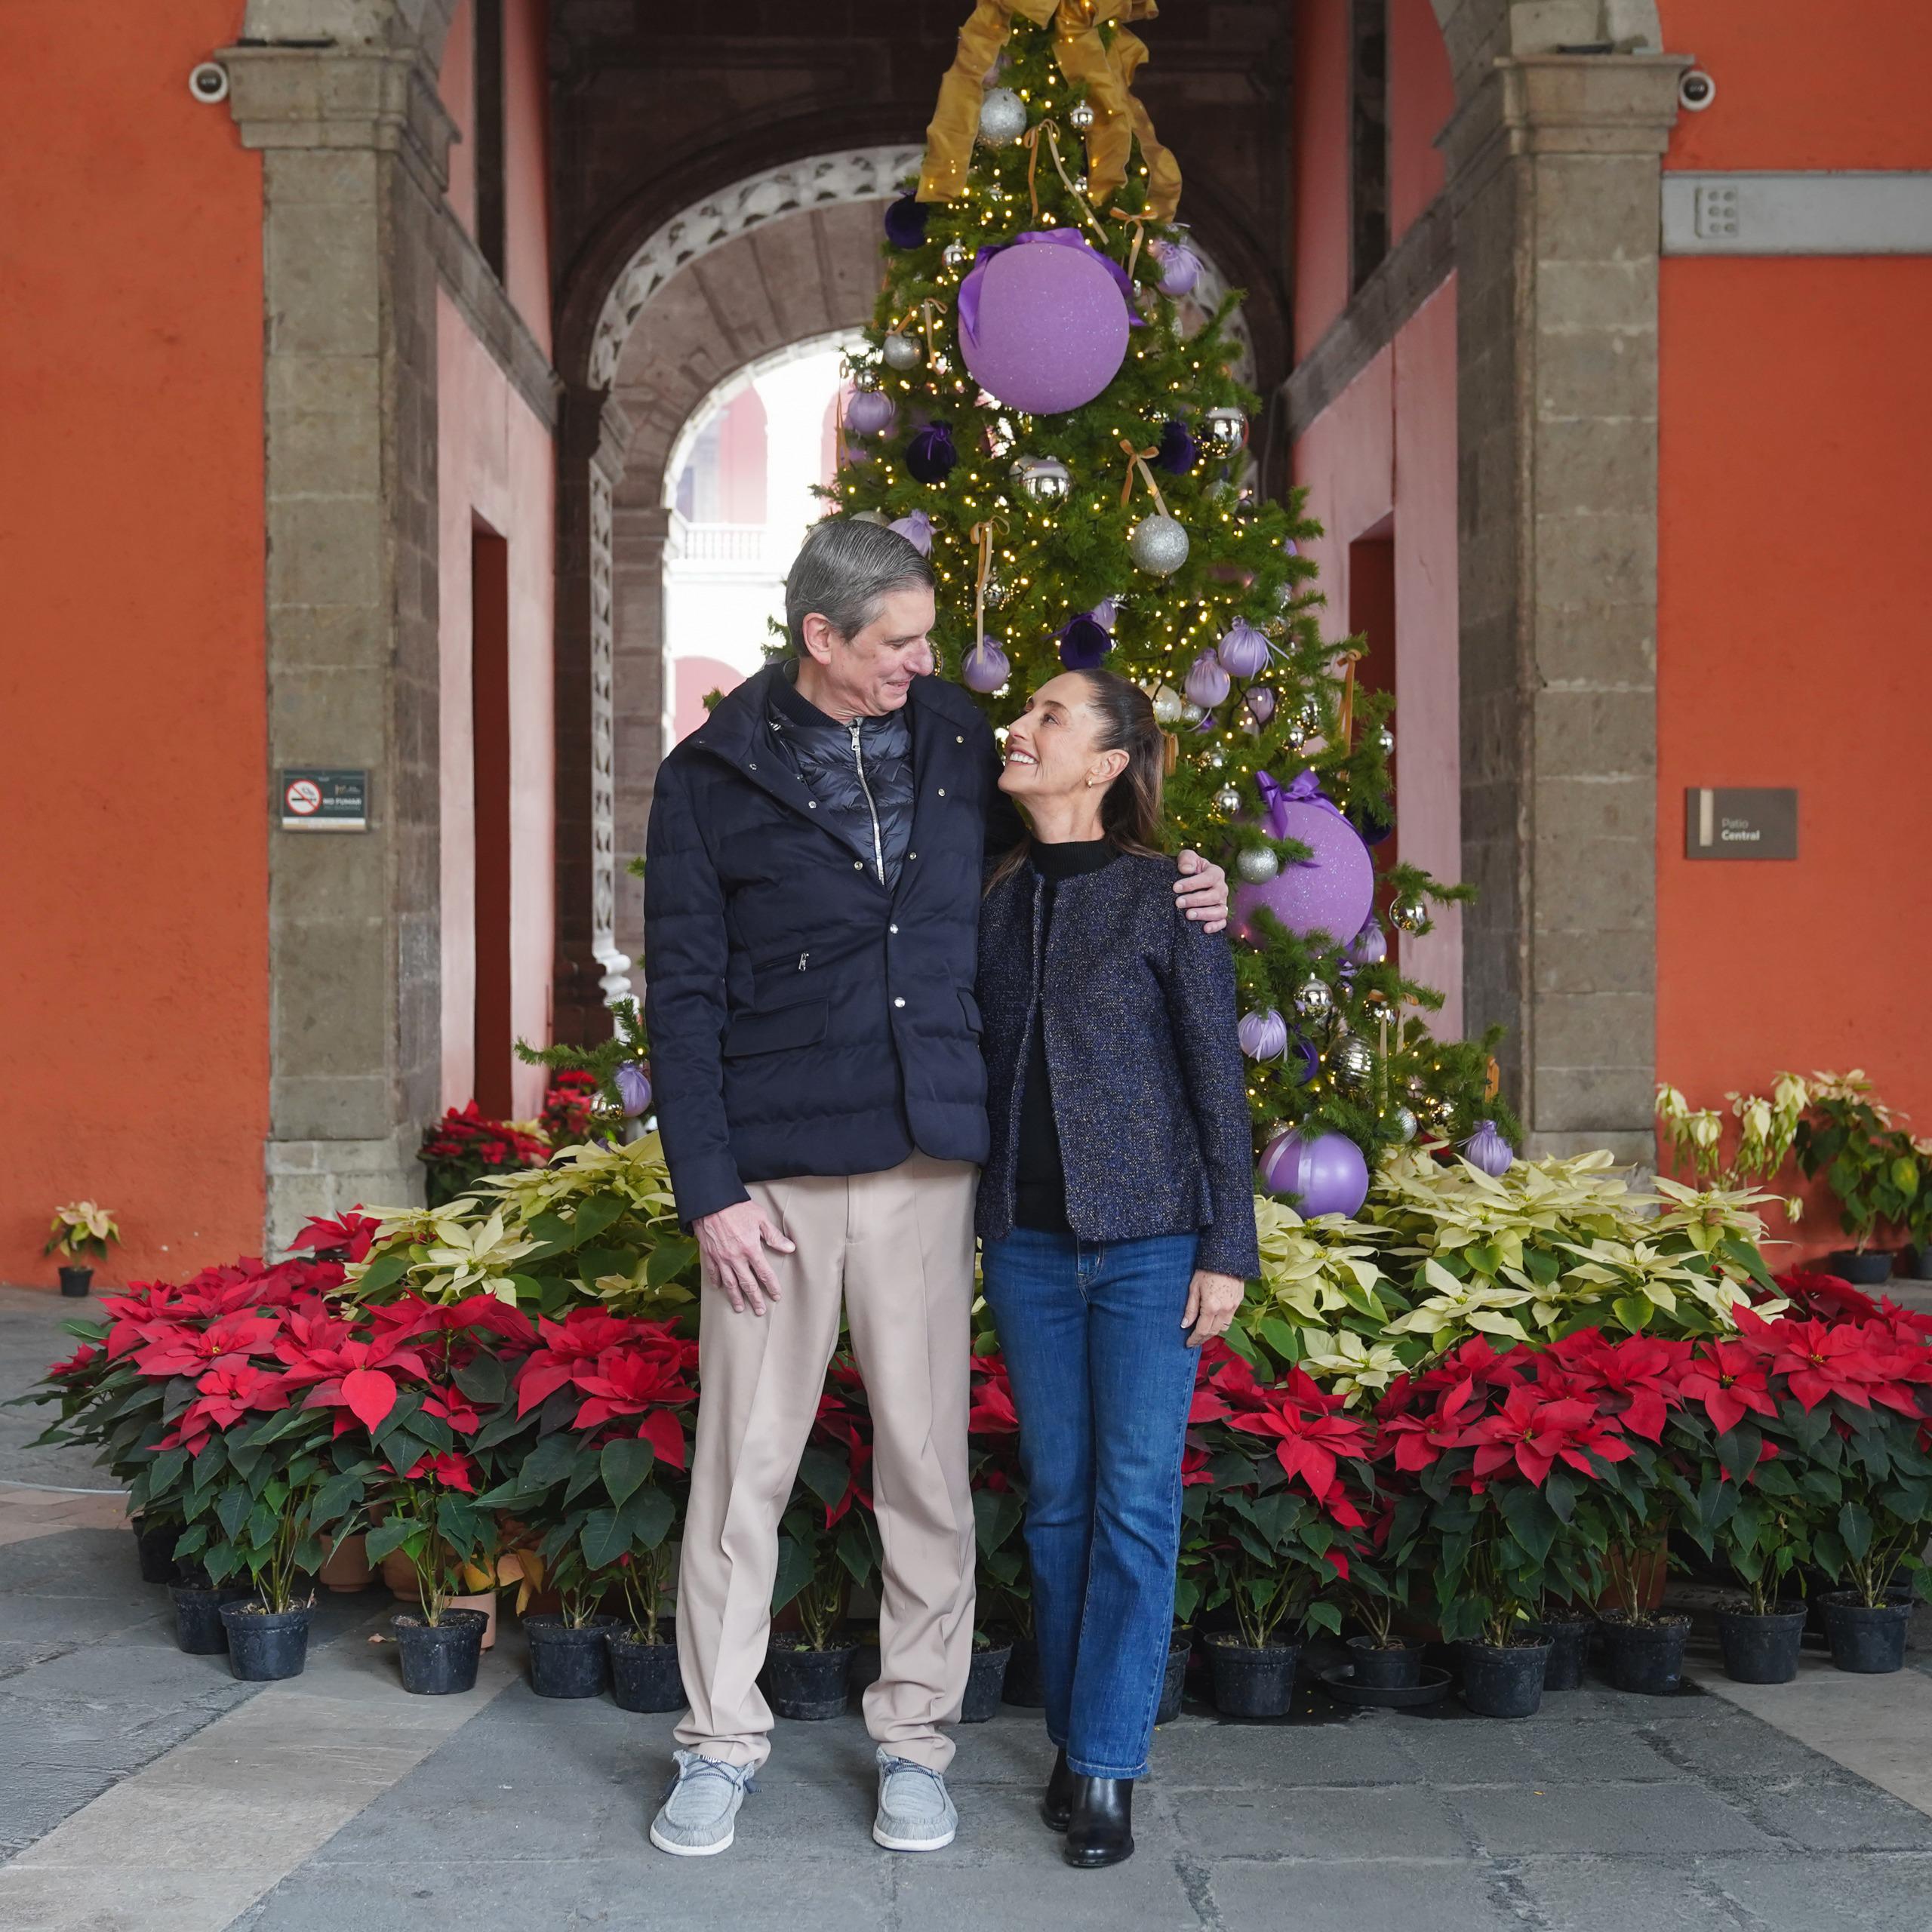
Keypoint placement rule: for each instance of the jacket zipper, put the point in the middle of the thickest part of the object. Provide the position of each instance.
(859, 759)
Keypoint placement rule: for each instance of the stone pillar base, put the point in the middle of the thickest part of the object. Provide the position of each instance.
(306, 1178)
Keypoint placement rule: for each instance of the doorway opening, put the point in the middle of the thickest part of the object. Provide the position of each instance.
(490, 741)
(1372, 618)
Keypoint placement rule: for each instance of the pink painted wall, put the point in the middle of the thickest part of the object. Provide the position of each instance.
(1421, 95)
(526, 163)
(1388, 445)
(1321, 168)
(457, 88)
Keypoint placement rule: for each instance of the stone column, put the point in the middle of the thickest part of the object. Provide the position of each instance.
(643, 539)
(354, 143)
(1554, 164)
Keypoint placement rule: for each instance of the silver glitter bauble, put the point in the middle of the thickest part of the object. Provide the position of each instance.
(1041, 479)
(1080, 184)
(1191, 713)
(1410, 912)
(1284, 596)
(901, 352)
(1080, 116)
(1384, 740)
(1310, 714)
(1313, 1000)
(1224, 429)
(1002, 118)
(1352, 1062)
(1167, 705)
(1404, 1122)
(954, 255)
(1227, 801)
(1215, 760)
(1258, 865)
(1158, 544)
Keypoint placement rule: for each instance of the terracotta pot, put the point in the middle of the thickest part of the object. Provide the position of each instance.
(347, 1565)
(485, 1601)
(399, 1573)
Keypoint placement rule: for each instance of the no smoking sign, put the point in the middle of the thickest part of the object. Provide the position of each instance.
(325, 801)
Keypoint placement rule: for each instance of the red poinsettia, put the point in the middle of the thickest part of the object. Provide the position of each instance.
(1730, 1379)
(993, 1412)
(179, 1349)
(225, 1394)
(1534, 1430)
(563, 1347)
(637, 1381)
(1633, 1378)
(348, 1239)
(450, 1469)
(1312, 1436)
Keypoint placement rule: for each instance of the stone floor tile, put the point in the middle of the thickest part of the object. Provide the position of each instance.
(1826, 1894)
(1836, 1814)
(1146, 1894)
(1365, 1750)
(1459, 1748)
(1604, 1895)
(1589, 1752)
(1654, 1821)
(1391, 1895)
(1360, 1822)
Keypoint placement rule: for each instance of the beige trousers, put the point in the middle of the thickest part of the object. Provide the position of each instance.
(899, 1246)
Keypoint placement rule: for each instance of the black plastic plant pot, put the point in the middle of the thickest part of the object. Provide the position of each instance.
(1384, 1666)
(1645, 1659)
(154, 1544)
(566, 1659)
(809, 1686)
(199, 1629)
(1023, 1686)
(1505, 1680)
(984, 1682)
(439, 1659)
(266, 1645)
(1761, 1649)
(1175, 1682)
(1569, 1651)
(76, 1281)
(1252, 1683)
(1869, 1642)
(1870, 1269)
(643, 1677)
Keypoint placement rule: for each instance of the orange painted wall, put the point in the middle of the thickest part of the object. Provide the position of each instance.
(134, 950)
(1795, 639)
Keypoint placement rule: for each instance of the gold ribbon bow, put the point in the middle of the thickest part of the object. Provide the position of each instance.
(983, 534)
(1106, 73)
(1137, 459)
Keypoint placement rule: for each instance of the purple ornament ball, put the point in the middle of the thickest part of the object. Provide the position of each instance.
(1310, 1059)
(1084, 644)
(930, 455)
(1369, 946)
(1180, 268)
(633, 1089)
(917, 529)
(906, 222)
(1332, 893)
(1487, 1148)
(1178, 448)
(1207, 683)
(1047, 331)
(1326, 1171)
(1244, 651)
(985, 668)
(1263, 1036)
(870, 413)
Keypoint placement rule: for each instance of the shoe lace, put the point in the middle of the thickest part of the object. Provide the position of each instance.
(693, 1765)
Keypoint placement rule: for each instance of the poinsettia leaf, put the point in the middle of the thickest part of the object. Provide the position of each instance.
(232, 1508)
(996, 1515)
(1855, 1529)
(386, 1538)
(624, 1464)
(384, 1271)
(794, 1571)
(593, 1215)
(603, 1539)
(553, 1460)
(369, 1394)
(669, 1258)
(483, 1379)
(648, 1517)
(825, 1472)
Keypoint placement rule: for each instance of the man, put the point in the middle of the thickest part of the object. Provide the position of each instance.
(811, 910)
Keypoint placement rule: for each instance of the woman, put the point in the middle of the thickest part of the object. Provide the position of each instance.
(1117, 1213)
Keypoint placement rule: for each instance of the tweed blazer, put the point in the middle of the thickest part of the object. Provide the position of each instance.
(1137, 1003)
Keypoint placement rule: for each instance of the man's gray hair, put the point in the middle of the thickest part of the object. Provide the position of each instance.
(843, 571)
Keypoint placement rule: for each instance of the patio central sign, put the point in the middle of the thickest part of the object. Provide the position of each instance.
(1721, 823)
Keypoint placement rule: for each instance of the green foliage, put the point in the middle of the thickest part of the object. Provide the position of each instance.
(1877, 1173)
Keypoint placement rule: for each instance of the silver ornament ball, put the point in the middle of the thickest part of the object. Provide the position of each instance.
(1284, 596)
(1080, 116)
(1002, 118)
(1353, 1063)
(1227, 801)
(879, 517)
(1410, 912)
(1404, 1122)
(1158, 544)
(1384, 741)
(1295, 733)
(996, 592)
(1041, 479)
(1224, 428)
(1313, 1000)
(865, 377)
(1191, 713)
(1258, 865)
(1167, 705)
(901, 352)
(954, 255)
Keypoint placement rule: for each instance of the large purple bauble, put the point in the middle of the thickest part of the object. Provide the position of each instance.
(1326, 1170)
(1331, 893)
(1049, 332)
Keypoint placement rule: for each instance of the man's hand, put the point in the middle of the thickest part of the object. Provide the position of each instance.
(1212, 1301)
(732, 1243)
(1203, 890)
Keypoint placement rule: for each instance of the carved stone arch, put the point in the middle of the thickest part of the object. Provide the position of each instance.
(1478, 32)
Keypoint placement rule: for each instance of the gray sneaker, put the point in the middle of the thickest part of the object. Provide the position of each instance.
(914, 1814)
(699, 1814)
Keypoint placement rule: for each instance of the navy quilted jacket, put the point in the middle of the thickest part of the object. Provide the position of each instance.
(1149, 1095)
(805, 1019)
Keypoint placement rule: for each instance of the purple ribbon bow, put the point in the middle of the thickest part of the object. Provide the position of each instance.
(1305, 789)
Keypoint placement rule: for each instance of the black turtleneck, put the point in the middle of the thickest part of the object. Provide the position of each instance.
(1040, 1183)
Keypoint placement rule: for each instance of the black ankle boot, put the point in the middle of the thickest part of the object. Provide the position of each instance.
(1101, 1829)
(1057, 1807)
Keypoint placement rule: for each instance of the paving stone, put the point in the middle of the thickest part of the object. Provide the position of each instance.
(1145, 1895)
(1598, 1895)
(1590, 1753)
(1367, 1750)
(1838, 1814)
(1731, 1746)
(1826, 1894)
(1362, 1822)
(1392, 1895)
(1463, 1750)
(68, 1563)
(1629, 1820)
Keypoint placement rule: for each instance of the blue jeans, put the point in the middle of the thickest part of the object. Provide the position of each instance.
(1102, 1378)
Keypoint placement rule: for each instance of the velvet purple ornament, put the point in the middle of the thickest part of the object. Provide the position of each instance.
(1180, 268)
(906, 222)
(870, 413)
(1369, 946)
(1044, 320)
(1263, 1036)
(1178, 448)
(1261, 702)
(1374, 824)
(1332, 890)
(1083, 643)
(1244, 651)
(633, 1089)
(1311, 1060)
(930, 455)
(1207, 683)
(985, 668)
(1326, 1171)
(1487, 1148)
(917, 529)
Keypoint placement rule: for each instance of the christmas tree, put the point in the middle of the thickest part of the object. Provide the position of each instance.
(1030, 412)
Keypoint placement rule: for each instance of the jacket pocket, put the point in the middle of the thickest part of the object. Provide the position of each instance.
(800, 1026)
(975, 1024)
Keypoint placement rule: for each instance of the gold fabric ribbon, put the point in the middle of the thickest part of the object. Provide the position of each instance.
(1137, 459)
(1106, 73)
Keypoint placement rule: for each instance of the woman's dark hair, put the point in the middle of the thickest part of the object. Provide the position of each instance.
(1131, 818)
